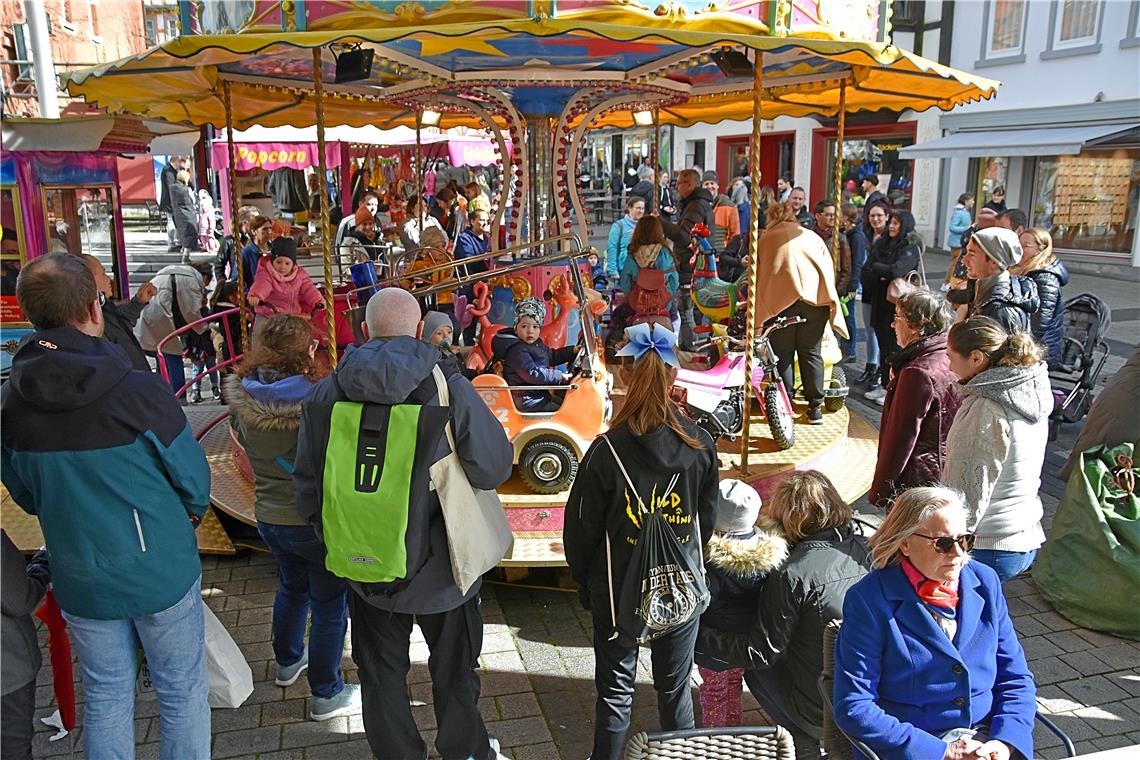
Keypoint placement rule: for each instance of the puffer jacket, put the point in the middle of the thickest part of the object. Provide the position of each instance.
(995, 451)
(295, 294)
(265, 413)
(1047, 322)
(890, 258)
(797, 602)
(1009, 299)
(921, 402)
(530, 364)
(735, 570)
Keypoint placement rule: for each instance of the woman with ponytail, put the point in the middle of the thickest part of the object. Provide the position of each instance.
(657, 447)
(996, 445)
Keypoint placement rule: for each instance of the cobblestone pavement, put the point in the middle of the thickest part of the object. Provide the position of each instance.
(537, 664)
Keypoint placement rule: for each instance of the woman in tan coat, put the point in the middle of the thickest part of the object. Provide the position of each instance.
(797, 279)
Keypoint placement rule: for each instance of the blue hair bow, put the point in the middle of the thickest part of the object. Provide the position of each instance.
(644, 337)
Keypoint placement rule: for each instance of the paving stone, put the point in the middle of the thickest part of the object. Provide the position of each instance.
(1052, 700)
(1027, 625)
(1069, 641)
(1086, 663)
(246, 716)
(251, 634)
(250, 741)
(1050, 670)
(502, 662)
(1037, 647)
(1076, 728)
(288, 711)
(1098, 639)
(519, 732)
(1112, 742)
(1129, 680)
(253, 616)
(1020, 607)
(310, 733)
(424, 715)
(496, 684)
(1096, 690)
(246, 601)
(499, 642)
(1119, 656)
(1054, 621)
(354, 750)
(268, 583)
(518, 706)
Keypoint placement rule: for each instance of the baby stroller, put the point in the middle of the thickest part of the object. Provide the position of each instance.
(1074, 375)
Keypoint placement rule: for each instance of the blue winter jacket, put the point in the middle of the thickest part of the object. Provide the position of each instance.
(960, 221)
(900, 682)
(617, 247)
(102, 454)
(530, 364)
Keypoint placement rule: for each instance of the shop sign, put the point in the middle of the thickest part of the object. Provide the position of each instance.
(475, 152)
(270, 156)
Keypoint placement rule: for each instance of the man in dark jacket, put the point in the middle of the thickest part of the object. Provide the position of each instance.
(696, 208)
(798, 199)
(994, 293)
(22, 589)
(119, 318)
(168, 179)
(825, 222)
(388, 369)
(103, 456)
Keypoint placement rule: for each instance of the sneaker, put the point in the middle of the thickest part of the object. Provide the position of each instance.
(880, 400)
(217, 394)
(814, 415)
(876, 395)
(195, 396)
(347, 702)
(287, 675)
(495, 746)
(870, 372)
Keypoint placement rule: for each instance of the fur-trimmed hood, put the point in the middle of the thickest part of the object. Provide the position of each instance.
(747, 558)
(262, 406)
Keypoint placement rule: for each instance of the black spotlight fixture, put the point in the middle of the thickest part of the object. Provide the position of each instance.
(354, 64)
(732, 62)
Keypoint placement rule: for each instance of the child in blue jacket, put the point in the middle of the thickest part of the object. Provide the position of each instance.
(528, 361)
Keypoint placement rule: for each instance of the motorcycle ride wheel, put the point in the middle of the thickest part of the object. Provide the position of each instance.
(780, 420)
(548, 464)
(838, 380)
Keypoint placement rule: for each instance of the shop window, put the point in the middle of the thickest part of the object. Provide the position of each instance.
(11, 255)
(1089, 202)
(987, 175)
(1074, 28)
(1004, 40)
(877, 158)
(905, 13)
(79, 220)
(1132, 39)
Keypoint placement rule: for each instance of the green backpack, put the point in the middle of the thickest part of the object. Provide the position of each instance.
(376, 488)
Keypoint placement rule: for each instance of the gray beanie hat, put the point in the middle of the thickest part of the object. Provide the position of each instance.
(1000, 244)
(710, 176)
(738, 508)
(434, 320)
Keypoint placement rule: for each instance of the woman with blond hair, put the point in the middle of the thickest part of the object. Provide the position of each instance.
(927, 664)
(996, 445)
(782, 653)
(1039, 264)
(672, 464)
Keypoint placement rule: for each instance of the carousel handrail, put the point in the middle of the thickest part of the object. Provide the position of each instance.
(235, 357)
(569, 237)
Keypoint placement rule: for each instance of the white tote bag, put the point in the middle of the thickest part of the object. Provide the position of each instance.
(478, 536)
(231, 680)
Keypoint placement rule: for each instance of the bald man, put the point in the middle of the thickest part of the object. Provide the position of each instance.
(119, 319)
(394, 367)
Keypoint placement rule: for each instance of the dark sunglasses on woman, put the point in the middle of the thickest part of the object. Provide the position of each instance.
(945, 544)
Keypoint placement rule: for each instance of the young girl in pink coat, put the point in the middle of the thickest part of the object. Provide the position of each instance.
(282, 287)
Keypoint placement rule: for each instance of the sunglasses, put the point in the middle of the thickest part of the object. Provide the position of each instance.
(945, 544)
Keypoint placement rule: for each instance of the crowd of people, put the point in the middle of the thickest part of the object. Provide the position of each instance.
(927, 663)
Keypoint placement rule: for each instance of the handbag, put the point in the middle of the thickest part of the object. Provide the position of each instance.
(478, 535)
(910, 282)
(662, 589)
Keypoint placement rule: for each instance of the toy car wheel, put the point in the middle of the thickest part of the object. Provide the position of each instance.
(836, 394)
(780, 421)
(548, 464)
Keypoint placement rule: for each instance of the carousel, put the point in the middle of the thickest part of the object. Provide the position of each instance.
(537, 76)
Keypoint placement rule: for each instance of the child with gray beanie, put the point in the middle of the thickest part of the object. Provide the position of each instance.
(743, 550)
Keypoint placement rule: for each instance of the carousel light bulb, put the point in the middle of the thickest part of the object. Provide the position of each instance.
(643, 118)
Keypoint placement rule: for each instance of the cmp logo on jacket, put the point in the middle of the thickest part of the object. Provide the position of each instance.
(669, 504)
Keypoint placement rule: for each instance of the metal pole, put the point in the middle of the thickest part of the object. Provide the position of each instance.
(235, 227)
(839, 172)
(326, 228)
(656, 163)
(753, 248)
(419, 175)
(46, 83)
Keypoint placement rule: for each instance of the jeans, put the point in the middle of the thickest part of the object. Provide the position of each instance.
(175, 369)
(200, 368)
(615, 667)
(802, 341)
(173, 642)
(1005, 564)
(304, 586)
(888, 347)
(852, 322)
(872, 339)
(380, 647)
(17, 711)
(766, 688)
(683, 299)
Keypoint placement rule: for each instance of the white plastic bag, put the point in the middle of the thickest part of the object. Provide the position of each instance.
(231, 680)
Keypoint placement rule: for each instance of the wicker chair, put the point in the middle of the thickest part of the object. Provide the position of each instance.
(743, 743)
(838, 745)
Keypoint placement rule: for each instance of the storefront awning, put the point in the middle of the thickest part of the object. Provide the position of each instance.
(1063, 141)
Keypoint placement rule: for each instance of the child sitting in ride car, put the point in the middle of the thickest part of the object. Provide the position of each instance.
(280, 286)
(528, 361)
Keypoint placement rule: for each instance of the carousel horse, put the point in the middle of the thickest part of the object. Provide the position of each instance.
(716, 298)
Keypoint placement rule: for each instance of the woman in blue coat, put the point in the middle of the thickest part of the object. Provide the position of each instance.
(927, 664)
(621, 232)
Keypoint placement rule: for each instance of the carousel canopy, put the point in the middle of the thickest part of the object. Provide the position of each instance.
(692, 59)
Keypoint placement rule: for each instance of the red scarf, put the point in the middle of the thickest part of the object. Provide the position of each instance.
(940, 598)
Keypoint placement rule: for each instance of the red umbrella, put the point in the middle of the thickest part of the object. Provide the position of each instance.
(63, 678)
